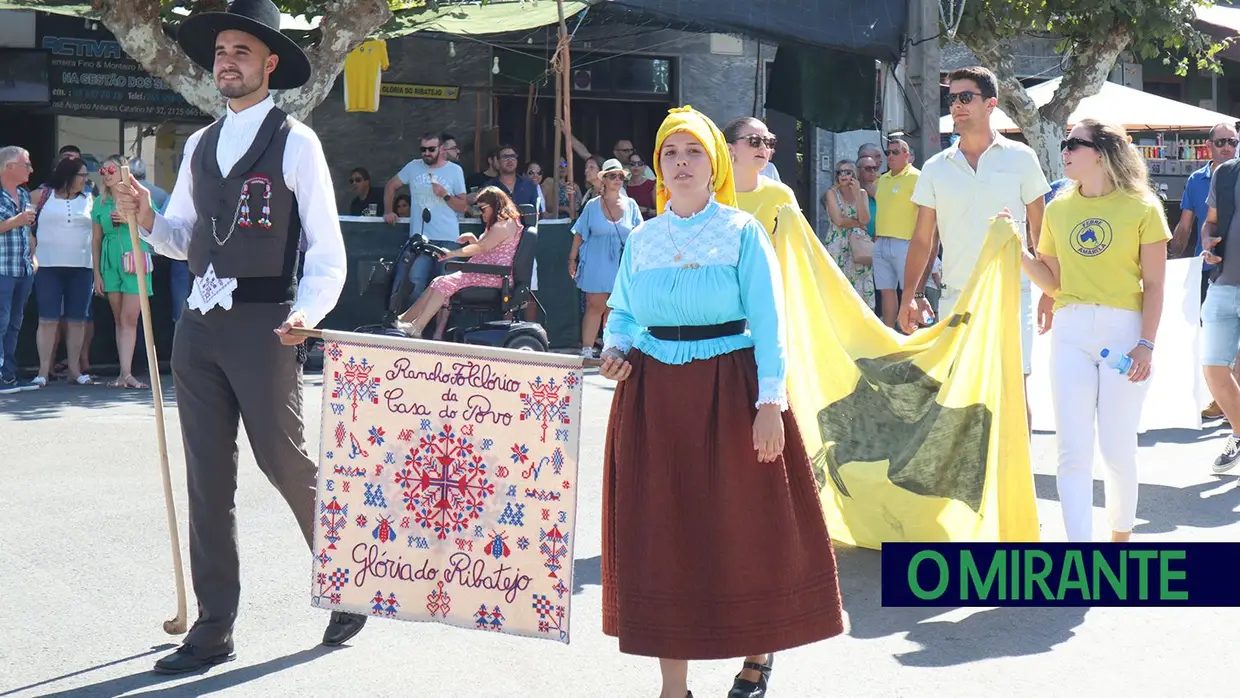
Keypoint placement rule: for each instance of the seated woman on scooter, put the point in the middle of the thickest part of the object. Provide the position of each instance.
(497, 246)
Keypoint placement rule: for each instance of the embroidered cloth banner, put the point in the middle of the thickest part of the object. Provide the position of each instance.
(447, 484)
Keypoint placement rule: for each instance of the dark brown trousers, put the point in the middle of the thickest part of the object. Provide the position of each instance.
(229, 368)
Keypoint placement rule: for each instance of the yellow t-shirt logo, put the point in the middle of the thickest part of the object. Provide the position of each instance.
(1091, 237)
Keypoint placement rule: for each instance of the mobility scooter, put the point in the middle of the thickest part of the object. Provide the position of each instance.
(479, 315)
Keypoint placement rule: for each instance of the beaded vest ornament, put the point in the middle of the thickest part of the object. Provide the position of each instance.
(241, 218)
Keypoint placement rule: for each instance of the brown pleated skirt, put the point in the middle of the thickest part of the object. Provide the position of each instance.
(707, 553)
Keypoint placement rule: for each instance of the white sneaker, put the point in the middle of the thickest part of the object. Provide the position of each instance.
(39, 382)
(587, 352)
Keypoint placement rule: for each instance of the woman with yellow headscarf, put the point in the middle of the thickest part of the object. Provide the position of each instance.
(714, 541)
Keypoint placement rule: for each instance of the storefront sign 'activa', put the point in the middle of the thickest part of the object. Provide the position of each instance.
(90, 75)
(81, 48)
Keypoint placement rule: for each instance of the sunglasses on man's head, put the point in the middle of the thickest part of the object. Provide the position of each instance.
(757, 140)
(1072, 144)
(1224, 142)
(962, 97)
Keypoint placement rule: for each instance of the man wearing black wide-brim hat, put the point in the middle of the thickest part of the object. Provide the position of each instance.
(251, 187)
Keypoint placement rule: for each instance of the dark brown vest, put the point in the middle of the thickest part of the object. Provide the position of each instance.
(248, 223)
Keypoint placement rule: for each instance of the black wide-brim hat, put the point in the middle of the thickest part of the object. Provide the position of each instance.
(259, 18)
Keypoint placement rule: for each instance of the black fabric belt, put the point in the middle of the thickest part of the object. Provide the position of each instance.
(693, 333)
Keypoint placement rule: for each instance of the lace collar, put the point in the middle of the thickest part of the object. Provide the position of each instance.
(698, 217)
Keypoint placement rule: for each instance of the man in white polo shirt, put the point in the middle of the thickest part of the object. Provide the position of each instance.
(959, 191)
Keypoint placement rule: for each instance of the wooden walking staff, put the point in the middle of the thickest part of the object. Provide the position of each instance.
(177, 625)
(564, 87)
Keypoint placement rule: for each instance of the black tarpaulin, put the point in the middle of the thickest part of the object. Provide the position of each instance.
(873, 28)
(832, 90)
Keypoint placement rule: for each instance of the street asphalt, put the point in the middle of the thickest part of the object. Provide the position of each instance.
(87, 582)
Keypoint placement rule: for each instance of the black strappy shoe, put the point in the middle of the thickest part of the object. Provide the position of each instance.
(742, 688)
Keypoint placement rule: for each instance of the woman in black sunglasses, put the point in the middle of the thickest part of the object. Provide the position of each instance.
(848, 212)
(1102, 255)
(750, 145)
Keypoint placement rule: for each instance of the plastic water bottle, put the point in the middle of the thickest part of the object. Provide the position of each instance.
(1121, 362)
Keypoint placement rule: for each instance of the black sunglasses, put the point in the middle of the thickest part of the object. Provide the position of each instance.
(1224, 142)
(845, 172)
(429, 148)
(1074, 143)
(962, 97)
(757, 141)
(637, 164)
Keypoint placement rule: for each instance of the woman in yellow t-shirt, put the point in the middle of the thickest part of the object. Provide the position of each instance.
(751, 144)
(1102, 255)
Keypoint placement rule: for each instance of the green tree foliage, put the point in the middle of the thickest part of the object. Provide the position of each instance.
(1091, 35)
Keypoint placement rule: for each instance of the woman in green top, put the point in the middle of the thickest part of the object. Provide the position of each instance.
(115, 267)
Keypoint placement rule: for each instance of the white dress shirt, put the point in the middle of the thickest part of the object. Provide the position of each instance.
(964, 200)
(305, 174)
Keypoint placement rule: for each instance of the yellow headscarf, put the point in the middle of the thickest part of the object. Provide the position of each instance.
(686, 118)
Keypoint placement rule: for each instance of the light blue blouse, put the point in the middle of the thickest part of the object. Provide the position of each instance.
(713, 267)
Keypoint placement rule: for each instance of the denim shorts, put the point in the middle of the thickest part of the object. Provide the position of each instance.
(1220, 326)
(889, 257)
(64, 292)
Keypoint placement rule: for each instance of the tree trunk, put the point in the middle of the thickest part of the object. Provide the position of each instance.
(139, 30)
(1043, 127)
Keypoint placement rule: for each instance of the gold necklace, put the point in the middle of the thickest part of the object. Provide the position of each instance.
(679, 252)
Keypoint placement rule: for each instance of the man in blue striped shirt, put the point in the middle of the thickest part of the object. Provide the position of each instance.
(16, 258)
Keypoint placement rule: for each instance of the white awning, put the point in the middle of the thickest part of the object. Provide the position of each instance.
(1116, 104)
(1220, 16)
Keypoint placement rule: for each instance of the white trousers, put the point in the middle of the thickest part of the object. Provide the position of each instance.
(1090, 397)
(947, 302)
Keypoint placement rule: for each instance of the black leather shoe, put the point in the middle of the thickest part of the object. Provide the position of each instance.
(742, 688)
(342, 628)
(189, 658)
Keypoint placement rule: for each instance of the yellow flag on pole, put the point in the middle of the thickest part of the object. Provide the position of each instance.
(919, 438)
